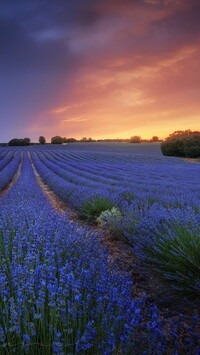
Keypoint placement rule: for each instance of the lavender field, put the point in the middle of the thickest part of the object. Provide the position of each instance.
(58, 292)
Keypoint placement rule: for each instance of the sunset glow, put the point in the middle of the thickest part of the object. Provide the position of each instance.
(108, 69)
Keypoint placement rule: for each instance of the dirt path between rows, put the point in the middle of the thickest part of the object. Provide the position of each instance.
(146, 283)
(192, 160)
(58, 205)
(16, 176)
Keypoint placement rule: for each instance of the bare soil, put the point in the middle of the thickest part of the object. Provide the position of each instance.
(192, 160)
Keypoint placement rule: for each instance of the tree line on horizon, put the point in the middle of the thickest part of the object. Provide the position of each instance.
(179, 143)
(63, 140)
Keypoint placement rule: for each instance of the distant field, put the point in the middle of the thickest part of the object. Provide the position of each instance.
(57, 289)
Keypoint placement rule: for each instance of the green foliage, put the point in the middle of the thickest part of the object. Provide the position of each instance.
(128, 196)
(122, 226)
(69, 140)
(172, 148)
(135, 139)
(42, 140)
(128, 227)
(94, 206)
(176, 254)
(56, 140)
(182, 144)
(155, 139)
(110, 218)
(192, 152)
(19, 141)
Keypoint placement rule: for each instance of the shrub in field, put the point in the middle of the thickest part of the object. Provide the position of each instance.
(127, 228)
(42, 140)
(135, 139)
(121, 224)
(128, 196)
(183, 144)
(19, 142)
(172, 148)
(95, 205)
(192, 151)
(56, 140)
(173, 248)
(111, 219)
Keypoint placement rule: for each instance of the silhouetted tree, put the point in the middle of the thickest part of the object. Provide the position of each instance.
(42, 140)
(56, 140)
(155, 139)
(84, 139)
(182, 144)
(26, 141)
(19, 141)
(135, 139)
(13, 142)
(69, 140)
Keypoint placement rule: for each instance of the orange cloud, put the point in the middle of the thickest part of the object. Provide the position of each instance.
(63, 109)
(151, 99)
(74, 119)
(138, 74)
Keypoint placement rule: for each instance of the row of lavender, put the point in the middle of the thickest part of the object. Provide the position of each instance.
(152, 202)
(57, 293)
(9, 164)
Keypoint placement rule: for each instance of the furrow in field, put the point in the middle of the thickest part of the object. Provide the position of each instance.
(56, 202)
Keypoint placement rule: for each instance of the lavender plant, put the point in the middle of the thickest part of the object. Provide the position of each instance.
(9, 170)
(172, 247)
(6, 159)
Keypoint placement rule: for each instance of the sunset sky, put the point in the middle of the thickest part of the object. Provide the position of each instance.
(99, 68)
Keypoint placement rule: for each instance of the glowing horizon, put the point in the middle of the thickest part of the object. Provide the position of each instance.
(102, 70)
